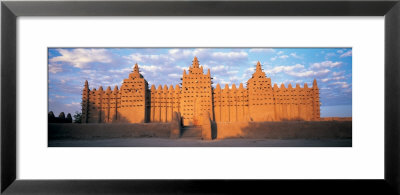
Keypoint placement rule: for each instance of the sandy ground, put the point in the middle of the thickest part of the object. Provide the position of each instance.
(193, 142)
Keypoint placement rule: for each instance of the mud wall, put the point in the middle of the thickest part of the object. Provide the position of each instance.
(284, 130)
(98, 131)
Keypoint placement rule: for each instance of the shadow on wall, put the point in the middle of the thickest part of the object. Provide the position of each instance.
(214, 130)
(106, 131)
(284, 130)
(96, 115)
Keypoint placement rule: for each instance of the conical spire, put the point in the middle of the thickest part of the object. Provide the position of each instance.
(315, 84)
(86, 84)
(195, 62)
(218, 87)
(208, 72)
(258, 67)
(136, 68)
(226, 87)
(241, 86)
(259, 72)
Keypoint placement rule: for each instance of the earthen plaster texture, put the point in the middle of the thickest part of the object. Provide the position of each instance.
(259, 101)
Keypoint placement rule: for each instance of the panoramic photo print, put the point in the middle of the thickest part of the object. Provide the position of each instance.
(200, 97)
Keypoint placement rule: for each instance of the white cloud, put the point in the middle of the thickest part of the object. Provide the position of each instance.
(173, 51)
(183, 53)
(54, 68)
(338, 78)
(79, 58)
(230, 55)
(284, 69)
(123, 70)
(280, 52)
(333, 79)
(293, 82)
(219, 68)
(347, 54)
(147, 58)
(233, 72)
(325, 64)
(337, 73)
(295, 55)
(150, 68)
(73, 104)
(325, 80)
(273, 58)
(174, 75)
(309, 73)
(342, 84)
(339, 51)
(283, 56)
(257, 50)
(331, 54)
(181, 68)
(220, 81)
(60, 96)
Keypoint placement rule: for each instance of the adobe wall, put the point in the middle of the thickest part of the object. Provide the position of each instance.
(163, 103)
(285, 130)
(336, 119)
(231, 104)
(95, 131)
(258, 101)
(220, 130)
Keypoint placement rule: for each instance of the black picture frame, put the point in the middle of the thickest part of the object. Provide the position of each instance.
(11, 10)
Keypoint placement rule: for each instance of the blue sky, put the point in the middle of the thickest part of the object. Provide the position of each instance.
(70, 67)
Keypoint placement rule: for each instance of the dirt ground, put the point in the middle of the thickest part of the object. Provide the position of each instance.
(193, 142)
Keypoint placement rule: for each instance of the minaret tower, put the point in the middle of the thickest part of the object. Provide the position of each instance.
(316, 103)
(196, 94)
(85, 102)
(134, 94)
(261, 98)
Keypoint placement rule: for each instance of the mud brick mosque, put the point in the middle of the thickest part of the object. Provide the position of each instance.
(134, 102)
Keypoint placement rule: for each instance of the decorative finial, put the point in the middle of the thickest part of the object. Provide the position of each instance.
(195, 62)
(258, 68)
(136, 68)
